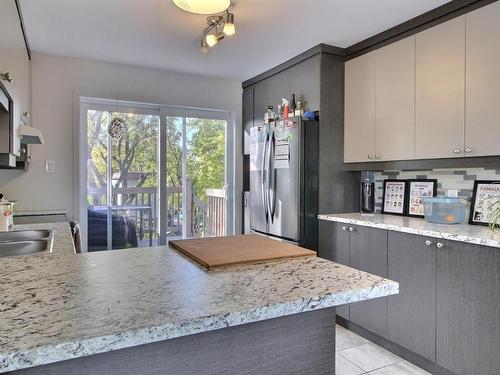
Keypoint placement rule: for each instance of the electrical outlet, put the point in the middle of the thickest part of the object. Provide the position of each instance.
(50, 166)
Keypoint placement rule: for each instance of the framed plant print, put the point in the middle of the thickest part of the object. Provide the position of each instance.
(485, 202)
(394, 198)
(418, 189)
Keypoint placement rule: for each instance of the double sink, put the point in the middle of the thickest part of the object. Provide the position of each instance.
(26, 242)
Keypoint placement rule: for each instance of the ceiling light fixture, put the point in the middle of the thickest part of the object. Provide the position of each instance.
(203, 6)
(218, 27)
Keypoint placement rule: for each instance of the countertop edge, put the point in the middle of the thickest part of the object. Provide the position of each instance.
(442, 234)
(96, 345)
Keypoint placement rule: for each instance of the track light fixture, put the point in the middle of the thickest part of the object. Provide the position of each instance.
(218, 27)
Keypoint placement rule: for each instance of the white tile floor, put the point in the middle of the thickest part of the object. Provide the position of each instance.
(356, 355)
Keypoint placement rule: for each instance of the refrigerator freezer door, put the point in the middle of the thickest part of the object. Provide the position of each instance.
(258, 178)
(284, 184)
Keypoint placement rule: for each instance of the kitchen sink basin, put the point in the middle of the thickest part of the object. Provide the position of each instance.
(14, 248)
(25, 235)
(25, 242)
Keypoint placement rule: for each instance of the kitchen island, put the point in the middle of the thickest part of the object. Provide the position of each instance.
(152, 311)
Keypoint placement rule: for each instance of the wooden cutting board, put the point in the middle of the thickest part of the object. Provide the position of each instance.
(226, 251)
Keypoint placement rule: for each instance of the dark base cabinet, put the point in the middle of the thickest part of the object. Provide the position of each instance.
(411, 313)
(468, 309)
(446, 317)
(334, 246)
(364, 249)
(368, 252)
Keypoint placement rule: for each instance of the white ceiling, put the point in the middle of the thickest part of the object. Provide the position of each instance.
(156, 34)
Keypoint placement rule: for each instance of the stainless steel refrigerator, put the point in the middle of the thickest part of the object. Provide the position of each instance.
(284, 180)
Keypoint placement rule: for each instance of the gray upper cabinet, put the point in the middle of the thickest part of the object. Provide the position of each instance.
(468, 309)
(15, 61)
(334, 246)
(482, 127)
(305, 82)
(411, 313)
(247, 118)
(270, 92)
(440, 91)
(368, 252)
(303, 79)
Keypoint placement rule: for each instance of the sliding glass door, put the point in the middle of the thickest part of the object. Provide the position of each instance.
(199, 175)
(167, 173)
(122, 178)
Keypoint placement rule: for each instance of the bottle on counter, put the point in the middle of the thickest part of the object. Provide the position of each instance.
(269, 115)
(293, 105)
(286, 108)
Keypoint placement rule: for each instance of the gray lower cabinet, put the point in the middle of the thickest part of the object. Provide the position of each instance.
(368, 252)
(334, 246)
(468, 309)
(412, 313)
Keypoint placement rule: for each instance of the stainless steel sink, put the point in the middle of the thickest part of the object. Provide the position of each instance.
(14, 248)
(25, 235)
(25, 242)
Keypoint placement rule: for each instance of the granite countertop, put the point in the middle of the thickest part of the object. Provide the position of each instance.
(54, 308)
(474, 234)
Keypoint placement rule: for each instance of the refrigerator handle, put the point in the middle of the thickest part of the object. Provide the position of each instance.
(263, 189)
(272, 177)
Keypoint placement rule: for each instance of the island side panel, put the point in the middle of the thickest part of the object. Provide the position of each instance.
(299, 344)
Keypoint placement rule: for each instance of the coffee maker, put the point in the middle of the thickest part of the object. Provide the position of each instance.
(367, 194)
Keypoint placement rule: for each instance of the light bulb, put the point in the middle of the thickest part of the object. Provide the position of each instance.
(211, 40)
(229, 29)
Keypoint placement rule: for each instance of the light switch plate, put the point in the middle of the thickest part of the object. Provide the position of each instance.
(50, 166)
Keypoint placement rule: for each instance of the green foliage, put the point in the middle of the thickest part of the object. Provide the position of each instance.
(206, 164)
(136, 153)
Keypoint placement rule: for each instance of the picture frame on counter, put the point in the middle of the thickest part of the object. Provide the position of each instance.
(394, 200)
(418, 189)
(485, 201)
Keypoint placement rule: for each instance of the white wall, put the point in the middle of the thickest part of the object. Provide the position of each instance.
(58, 82)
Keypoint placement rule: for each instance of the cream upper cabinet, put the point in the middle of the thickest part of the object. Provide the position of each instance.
(395, 101)
(359, 130)
(440, 91)
(482, 127)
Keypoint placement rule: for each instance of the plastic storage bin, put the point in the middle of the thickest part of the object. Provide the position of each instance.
(445, 210)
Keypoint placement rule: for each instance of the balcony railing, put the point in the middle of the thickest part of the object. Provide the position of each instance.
(141, 205)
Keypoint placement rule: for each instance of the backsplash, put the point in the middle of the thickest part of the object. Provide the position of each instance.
(454, 179)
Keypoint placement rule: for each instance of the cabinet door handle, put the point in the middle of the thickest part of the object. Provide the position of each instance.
(468, 150)
(370, 156)
(351, 229)
(456, 150)
(428, 243)
(344, 227)
(377, 156)
(439, 245)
